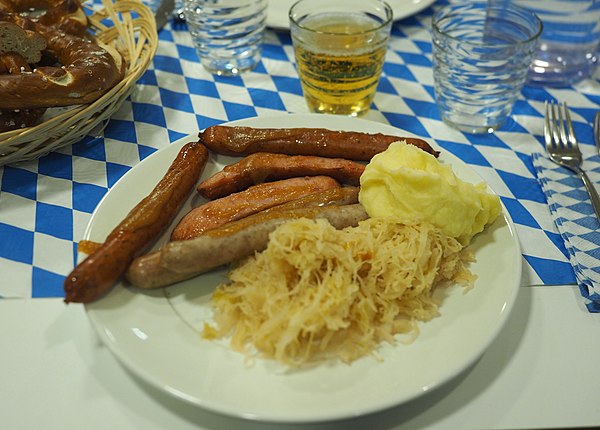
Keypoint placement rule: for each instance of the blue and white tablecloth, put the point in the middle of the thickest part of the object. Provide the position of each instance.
(46, 204)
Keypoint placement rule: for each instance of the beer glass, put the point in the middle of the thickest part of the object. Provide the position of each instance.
(340, 48)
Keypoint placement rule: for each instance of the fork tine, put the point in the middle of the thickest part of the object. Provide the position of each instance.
(555, 124)
(553, 120)
(562, 129)
(548, 129)
(571, 132)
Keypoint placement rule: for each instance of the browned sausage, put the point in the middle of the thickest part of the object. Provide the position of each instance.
(95, 275)
(335, 196)
(266, 167)
(254, 199)
(302, 141)
(178, 261)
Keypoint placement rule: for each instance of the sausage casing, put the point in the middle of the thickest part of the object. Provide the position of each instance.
(252, 200)
(95, 275)
(322, 142)
(265, 167)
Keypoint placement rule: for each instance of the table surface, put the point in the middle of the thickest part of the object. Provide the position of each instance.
(538, 373)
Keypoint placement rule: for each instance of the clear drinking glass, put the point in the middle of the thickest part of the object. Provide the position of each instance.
(481, 53)
(340, 48)
(569, 48)
(228, 34)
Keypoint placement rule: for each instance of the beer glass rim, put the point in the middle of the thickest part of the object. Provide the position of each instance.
(389, 16)
(452, 10)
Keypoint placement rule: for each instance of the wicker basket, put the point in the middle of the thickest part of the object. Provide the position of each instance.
(128, 26)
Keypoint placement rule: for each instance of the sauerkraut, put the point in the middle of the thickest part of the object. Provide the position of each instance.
(319, 293)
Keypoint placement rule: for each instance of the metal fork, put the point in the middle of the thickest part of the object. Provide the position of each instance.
(597, 131)
(563, 149)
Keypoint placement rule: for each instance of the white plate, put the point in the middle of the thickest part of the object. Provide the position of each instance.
(277, 10)
(155, 333)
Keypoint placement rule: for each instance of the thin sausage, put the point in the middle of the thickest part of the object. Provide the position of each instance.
(254, 199)
(266, 167)
(178, 261)
(322, 142)
(97, 274)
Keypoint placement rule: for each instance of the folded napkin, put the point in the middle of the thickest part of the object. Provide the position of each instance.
(575, 220)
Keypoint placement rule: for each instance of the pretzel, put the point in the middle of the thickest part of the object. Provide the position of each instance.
(27, 43)
(88, 71)
(14, 63)
(66, 15)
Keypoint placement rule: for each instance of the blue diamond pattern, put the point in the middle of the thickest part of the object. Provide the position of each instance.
(16, 244)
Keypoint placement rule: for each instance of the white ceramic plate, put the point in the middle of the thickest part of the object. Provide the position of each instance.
(156, 333)
(277, 10)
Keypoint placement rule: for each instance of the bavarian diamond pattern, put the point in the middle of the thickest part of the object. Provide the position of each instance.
(575, 220)
(46, 204)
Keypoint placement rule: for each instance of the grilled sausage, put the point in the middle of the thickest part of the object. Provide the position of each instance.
(254, 199)
(265, 167)
(178, 261)
(95, 275)
(335, 196)
(351, 145)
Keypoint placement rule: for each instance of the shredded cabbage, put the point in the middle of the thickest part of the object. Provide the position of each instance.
(318, 293)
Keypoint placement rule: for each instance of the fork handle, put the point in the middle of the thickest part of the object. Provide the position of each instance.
(594, 197)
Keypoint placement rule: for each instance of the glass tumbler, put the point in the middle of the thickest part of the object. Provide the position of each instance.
(481, 53)
(569, 48)
(340, 48)
(227, 34)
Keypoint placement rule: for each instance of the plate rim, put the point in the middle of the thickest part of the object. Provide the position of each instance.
(130, 365)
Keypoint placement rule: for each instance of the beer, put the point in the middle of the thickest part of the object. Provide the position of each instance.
(339, 59)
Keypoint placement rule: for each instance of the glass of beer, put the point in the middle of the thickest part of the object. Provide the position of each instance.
(340, 48)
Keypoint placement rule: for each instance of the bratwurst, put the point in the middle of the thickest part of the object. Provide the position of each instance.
(95, 275)
(178, 261)
(254, 199)
(266, 167)
(351, 145)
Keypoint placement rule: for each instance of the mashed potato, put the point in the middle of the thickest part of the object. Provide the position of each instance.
(410, 184)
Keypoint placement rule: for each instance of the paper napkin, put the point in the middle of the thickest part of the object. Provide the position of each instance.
(575, 220)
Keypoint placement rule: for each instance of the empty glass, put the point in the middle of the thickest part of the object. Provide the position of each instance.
(569, 47)
(481, 53)
(228, 34)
